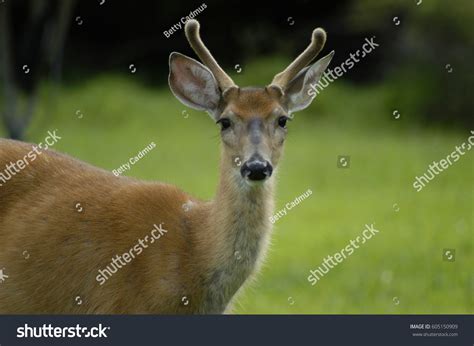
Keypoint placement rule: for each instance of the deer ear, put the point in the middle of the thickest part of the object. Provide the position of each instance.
(193, 83)
(301, 89)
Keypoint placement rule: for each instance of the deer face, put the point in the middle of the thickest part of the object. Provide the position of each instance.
(253, 121)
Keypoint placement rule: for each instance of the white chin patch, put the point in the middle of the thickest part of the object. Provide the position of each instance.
(188, 206)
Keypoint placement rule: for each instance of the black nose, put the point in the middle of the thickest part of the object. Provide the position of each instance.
(256, 169)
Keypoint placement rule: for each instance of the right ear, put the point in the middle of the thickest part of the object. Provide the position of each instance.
(193, 83)
(299, 91)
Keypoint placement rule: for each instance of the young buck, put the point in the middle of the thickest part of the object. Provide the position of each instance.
(60, 259)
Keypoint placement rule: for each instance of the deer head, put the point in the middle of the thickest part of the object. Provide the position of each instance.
(253, 120)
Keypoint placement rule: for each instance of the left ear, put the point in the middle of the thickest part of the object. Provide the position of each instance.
(301, 90)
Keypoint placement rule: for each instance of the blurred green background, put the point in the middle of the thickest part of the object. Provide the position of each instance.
(401, 269)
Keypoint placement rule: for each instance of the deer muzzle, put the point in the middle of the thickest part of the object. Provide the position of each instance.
(256, 169)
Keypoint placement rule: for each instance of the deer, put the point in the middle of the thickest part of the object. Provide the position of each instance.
(205, 252)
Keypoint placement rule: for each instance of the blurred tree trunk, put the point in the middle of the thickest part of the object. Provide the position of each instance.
(42, 43)
(58, 38)
(10, 121)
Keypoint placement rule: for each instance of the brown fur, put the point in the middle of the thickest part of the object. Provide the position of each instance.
(197, 267)
(66, 248)
(251, 102)
(210, 248)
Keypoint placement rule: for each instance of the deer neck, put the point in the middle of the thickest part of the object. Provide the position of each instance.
(240, 227)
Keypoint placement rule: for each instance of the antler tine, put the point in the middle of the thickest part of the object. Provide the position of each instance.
(192, 34)
(318, 39)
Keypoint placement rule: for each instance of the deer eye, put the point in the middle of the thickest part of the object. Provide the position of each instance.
(225, 123)
(282, 121)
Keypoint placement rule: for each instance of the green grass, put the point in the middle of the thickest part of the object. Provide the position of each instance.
(404, 260)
